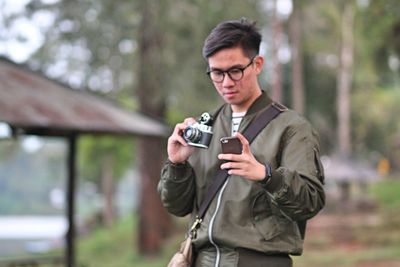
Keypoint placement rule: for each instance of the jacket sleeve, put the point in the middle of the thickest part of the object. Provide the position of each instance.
(177, 188)
(296, 186)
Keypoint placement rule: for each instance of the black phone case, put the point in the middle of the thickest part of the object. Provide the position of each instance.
(231, 145)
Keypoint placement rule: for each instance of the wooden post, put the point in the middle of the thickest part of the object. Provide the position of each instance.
(70, 244)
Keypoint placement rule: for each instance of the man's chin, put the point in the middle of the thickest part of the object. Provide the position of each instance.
(231, 99)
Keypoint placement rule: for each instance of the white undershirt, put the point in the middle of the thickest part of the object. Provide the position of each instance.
(236, 119)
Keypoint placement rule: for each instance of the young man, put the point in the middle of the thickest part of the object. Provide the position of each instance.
(275, 184)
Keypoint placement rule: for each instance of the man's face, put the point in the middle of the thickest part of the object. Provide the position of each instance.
(239, 94)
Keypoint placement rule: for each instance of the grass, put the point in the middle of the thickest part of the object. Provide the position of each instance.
(114, 247)
(387, 193)
(362, 244)
(340, 257)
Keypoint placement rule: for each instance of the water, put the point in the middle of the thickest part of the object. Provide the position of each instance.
(31, 234)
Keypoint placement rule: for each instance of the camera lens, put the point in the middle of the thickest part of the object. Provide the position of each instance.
(192, 134)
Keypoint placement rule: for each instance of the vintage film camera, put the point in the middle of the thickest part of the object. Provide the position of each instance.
(200, 133)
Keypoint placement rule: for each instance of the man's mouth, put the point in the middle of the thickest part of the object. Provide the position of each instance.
(230, 93)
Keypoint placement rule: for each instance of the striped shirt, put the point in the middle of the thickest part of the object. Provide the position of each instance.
(236, 119)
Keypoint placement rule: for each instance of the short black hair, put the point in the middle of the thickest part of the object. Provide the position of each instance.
(233, 33)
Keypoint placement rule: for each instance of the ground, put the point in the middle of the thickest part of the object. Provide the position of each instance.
(354, 239)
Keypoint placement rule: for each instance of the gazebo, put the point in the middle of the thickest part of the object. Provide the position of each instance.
(344, 172)
(31, 104)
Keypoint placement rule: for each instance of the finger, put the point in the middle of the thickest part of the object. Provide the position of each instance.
(177, 139)
(189, 121)
(233, 165)
(179, 128)
(245, 143)
(226, 165)
(237, 172)
(181, 140)
(229, 157)
(183, 125)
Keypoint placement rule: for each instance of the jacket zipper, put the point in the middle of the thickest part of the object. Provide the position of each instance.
(210, 228)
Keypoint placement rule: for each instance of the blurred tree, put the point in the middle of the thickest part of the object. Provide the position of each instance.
(321, 42)
(277, 36)
(379, 24)
(295, 35)
(103, 160)
(345, 77)
(154, 223)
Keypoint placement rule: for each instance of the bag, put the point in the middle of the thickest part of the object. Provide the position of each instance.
(184, 257)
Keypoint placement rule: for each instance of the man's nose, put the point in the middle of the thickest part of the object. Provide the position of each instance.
(227, 82)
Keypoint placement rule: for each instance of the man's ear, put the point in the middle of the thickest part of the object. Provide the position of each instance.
(259, 63)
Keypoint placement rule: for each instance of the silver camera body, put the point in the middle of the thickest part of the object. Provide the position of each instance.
(200, 133)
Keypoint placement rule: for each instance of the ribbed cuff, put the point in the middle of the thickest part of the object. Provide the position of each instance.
(178, 165)
(177, 171)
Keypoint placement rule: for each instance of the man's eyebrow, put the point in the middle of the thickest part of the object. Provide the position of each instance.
(231, 67)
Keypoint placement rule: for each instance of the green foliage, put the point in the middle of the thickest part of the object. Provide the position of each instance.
(380, 24)
(93, 41)
(376, 124)
(375, 40)
(94, 151)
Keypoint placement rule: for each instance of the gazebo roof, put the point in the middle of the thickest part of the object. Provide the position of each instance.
(37, 105)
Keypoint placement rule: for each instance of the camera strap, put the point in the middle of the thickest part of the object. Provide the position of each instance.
(220, 177)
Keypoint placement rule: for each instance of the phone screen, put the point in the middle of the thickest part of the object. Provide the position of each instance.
(231, 145)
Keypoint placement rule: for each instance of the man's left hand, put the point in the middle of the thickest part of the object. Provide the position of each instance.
(244, 164)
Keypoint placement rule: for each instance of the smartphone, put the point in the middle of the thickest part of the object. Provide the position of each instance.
(231, 145)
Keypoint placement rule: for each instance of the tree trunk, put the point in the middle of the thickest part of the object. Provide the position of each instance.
(108, 189)
(345, 80)
(154, 222)
(298, 94)
(276, 65)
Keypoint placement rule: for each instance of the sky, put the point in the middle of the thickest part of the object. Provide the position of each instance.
(25, 35)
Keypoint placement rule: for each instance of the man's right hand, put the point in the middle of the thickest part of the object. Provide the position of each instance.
(178, 150)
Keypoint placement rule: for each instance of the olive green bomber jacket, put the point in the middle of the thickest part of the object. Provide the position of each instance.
(245, 213)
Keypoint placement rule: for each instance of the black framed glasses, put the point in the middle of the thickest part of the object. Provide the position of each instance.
(234, 73)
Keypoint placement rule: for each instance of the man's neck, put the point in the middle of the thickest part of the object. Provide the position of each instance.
(247, 105)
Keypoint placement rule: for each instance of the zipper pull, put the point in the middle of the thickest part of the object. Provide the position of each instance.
(195, 226)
